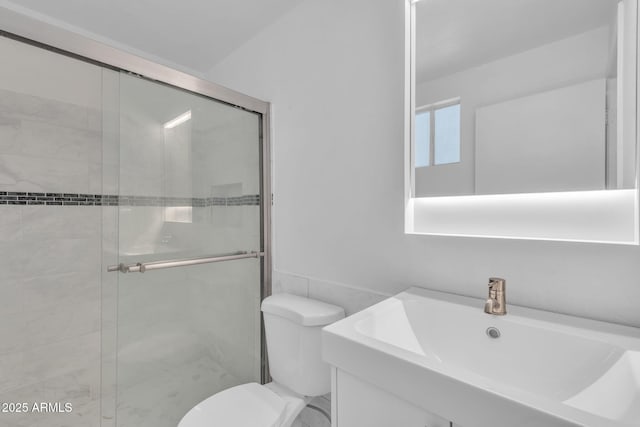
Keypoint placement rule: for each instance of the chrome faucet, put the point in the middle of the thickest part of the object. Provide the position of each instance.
(497, 301)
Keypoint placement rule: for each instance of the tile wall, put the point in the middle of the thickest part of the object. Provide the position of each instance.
(84, 185)
(50, 241)
(184, 334)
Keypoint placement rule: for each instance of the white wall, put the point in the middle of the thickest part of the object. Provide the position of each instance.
(555, 65)
(549, 141)
(334, 72)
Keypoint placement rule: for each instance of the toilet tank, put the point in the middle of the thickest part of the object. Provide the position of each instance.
(292, 326)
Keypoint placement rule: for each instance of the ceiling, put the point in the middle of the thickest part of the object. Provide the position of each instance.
(195, 34)
(453, 35)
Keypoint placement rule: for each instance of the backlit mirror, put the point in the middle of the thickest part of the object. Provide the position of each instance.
(523, 96)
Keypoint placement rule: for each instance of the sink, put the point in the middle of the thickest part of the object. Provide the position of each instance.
(442, 353)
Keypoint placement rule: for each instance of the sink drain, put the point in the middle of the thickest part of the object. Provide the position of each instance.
(493, 332)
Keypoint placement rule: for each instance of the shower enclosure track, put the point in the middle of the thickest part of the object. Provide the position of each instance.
(141, 267)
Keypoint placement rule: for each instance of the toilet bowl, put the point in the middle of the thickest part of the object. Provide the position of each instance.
(292, 327)
(251, 404)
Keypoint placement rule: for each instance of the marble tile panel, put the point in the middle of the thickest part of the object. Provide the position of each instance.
(12, 298)
(50, 222)
(40, 174)
(110, 223)
(94, 119)
(215, 307)
(10, 223)
(109, 302)
(12, 339)
(165, 398)
(142, 142)
(79, 387)
(12, 260)
(351, 299)
(155, 287)
(158, 350)
(227, 217)
(23, 106)
(135, 326)
(95, 180)
(58, 256)
(11, 372)
(289, 283)
(23, 393)
(12, 420)
(41, 139)
(61, 358)
(41, 292)
(139, 182)
(9, 421)
(161, 299)
(58, 322)
(110, 147)
(9, 134)
(201, 215)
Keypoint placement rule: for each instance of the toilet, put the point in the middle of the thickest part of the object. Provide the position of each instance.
(292, 325)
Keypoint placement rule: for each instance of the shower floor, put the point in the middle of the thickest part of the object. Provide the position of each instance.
(157, 401)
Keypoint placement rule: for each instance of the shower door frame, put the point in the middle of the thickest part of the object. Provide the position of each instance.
(36, 32)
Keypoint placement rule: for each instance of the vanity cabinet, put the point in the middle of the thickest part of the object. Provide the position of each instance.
(356, 403)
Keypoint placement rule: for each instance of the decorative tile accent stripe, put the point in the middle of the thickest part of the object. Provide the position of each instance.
(70, 199)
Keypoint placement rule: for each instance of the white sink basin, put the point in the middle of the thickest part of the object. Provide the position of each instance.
(544, 369)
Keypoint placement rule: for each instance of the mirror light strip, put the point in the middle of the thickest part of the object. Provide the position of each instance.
(606, 216)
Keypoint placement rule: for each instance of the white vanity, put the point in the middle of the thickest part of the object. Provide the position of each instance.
(423, 352)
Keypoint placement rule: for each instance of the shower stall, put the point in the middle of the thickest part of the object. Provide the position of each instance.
(134, 237)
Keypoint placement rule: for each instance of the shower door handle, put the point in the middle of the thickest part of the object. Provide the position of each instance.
(141, 267)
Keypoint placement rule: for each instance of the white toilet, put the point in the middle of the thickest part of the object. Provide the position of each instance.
(292, 324)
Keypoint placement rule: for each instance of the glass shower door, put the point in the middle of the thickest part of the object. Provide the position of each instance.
(189, 185)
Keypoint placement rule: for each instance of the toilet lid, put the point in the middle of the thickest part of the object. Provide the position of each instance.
(246, 405)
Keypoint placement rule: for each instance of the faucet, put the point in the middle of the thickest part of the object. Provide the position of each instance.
(496, 303)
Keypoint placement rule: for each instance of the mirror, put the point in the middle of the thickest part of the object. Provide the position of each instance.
(523, 96)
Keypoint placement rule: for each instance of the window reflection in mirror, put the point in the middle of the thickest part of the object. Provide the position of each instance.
(437, 136)
(524, 96)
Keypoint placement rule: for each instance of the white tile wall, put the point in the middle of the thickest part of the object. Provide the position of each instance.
(235, 158)
(50, 256)
(289, 283)
(50, 311)
(351, 298)
(59, 309)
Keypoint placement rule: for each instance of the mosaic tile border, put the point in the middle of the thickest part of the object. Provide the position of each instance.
(73, 199)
